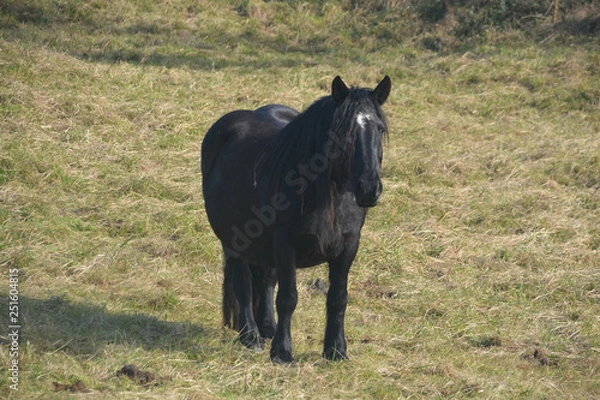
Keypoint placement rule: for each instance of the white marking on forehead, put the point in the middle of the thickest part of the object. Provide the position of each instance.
(362, 118)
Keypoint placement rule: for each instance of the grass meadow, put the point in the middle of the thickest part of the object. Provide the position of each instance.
(478, 274)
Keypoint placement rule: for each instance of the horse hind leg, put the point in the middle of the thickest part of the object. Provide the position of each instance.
(237, 285)
(263, 287)
(286, 300)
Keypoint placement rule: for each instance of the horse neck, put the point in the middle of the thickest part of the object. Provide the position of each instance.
(298, 142)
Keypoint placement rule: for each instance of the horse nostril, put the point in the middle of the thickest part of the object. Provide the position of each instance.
(368, 191)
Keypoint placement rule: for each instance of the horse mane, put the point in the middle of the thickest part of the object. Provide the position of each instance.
(306, 136)
(297, 142)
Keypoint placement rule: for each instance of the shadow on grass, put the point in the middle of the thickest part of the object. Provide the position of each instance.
(59, 324)
(91, 33)
(73, 28)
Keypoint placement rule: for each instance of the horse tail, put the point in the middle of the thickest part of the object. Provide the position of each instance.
(231, 307)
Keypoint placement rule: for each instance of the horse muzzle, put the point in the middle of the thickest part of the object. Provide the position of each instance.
(368, 192)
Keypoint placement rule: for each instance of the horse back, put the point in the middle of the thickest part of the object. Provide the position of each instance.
(243, 124)
(276, 114)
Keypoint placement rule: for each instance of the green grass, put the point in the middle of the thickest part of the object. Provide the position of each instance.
(478, 274)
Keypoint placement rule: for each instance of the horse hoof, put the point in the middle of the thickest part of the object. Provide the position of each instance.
(285, 359)
(335, 355)
(268, 331)
(288, 362)
(257, 348)
(253, 342)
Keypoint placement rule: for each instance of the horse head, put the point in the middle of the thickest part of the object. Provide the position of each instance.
(365, 126)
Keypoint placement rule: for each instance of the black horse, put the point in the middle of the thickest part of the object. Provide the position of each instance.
(285, 190)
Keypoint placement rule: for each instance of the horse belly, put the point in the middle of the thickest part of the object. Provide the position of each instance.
(308, 250)
(233, 208)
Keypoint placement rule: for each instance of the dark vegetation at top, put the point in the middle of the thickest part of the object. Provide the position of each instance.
(292, 32)
(458, 18)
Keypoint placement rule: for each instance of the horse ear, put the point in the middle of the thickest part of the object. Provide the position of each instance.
(382, 91)
(339, 90)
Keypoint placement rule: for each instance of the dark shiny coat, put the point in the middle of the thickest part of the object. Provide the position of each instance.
(284, 190)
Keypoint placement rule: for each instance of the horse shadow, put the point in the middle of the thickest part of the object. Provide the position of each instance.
(59, 324)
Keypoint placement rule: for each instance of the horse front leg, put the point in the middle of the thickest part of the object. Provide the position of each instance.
(241, 279)
(287, 298)
(337, 300)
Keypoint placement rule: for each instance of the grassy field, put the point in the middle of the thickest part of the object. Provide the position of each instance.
(478, 274)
